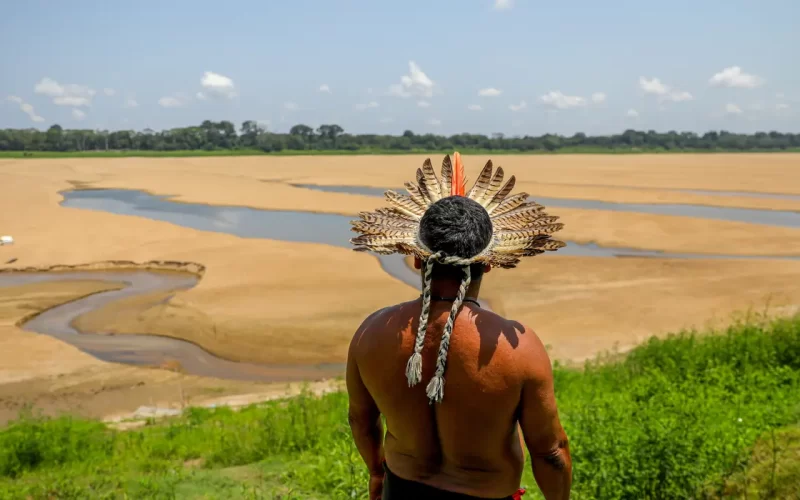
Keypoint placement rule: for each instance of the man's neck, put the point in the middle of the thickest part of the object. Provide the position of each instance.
(449, 288)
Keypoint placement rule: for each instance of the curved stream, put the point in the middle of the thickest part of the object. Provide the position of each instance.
(146, 350)
(279, 225)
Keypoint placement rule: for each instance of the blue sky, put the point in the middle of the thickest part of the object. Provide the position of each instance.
(444, 66)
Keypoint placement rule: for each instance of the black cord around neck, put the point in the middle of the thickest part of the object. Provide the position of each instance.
(451, 299)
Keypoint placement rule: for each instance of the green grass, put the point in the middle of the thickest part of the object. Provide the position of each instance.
(364, 151)
(773, 470)
(690, 416)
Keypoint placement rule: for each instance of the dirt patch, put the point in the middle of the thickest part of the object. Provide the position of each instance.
(581, 306)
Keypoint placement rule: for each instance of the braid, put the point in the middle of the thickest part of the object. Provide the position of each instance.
(435, 388)
(414, 366)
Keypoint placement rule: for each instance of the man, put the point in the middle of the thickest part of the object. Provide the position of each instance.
(499, 378)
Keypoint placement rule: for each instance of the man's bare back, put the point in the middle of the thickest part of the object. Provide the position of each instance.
(499, 381)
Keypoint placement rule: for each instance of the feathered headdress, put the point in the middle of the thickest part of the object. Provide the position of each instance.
(520, 228)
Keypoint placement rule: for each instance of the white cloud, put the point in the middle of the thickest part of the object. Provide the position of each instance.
(474, 107)
(175, 101)
(518, 107)
(69, 100)
(169, 102)
(130, 102)
(678, 96)
(291, 106)
(369, 105)
(325, 88)
(663, 91)
(435, 122)
(200, 96)
(109, 92)
(503, 4)
(733, 109)
(653, 86)
(218, 85)
(416, 82)
(65, 95)
(78, 114)
(781, 105)
(490, 92)
(780, 95)
(632, 113)
(423, 104)
(26, 108)
(48, 87)
(558, 100)
(387, 119)
(734, 77)
(598, 97)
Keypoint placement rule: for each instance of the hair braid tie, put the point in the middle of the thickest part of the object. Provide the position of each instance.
(414, 365)
(435, 388)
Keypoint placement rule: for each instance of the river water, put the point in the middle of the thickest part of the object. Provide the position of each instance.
(751, 215)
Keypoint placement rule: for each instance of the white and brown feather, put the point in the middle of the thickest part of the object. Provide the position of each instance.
(405, 204)
(431, 181)
(482, 182)
(447, 175)
(494, 186)
(501, 195)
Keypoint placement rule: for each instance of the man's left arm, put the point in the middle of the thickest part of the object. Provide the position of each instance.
(365, 424)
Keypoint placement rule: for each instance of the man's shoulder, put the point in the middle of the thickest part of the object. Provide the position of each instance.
(384, 312)
(497, 319)
(530, 348)
(380, 316)
(523, 339)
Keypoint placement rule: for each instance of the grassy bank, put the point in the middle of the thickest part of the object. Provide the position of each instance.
(686, 417)
(365, 151)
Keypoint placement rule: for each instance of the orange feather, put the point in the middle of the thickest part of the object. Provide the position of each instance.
(457, 184)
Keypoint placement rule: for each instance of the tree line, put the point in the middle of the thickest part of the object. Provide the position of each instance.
(223, 135)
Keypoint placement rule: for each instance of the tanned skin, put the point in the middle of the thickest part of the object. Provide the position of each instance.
(498, 398)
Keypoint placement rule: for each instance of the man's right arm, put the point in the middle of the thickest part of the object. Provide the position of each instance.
(544, 437)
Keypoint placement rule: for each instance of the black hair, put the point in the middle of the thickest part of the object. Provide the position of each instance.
(457, 226)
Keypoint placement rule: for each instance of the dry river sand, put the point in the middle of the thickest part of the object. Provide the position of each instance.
(278, 302)
(54, 377)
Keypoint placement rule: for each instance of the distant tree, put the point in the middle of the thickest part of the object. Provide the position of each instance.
(249, 134)
(302, 130)
(223, 135)
(329, 133)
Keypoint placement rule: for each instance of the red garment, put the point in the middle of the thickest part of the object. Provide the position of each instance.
(518, 494)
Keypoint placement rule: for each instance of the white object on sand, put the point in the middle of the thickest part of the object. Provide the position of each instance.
(155, 411)
(6, 240)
